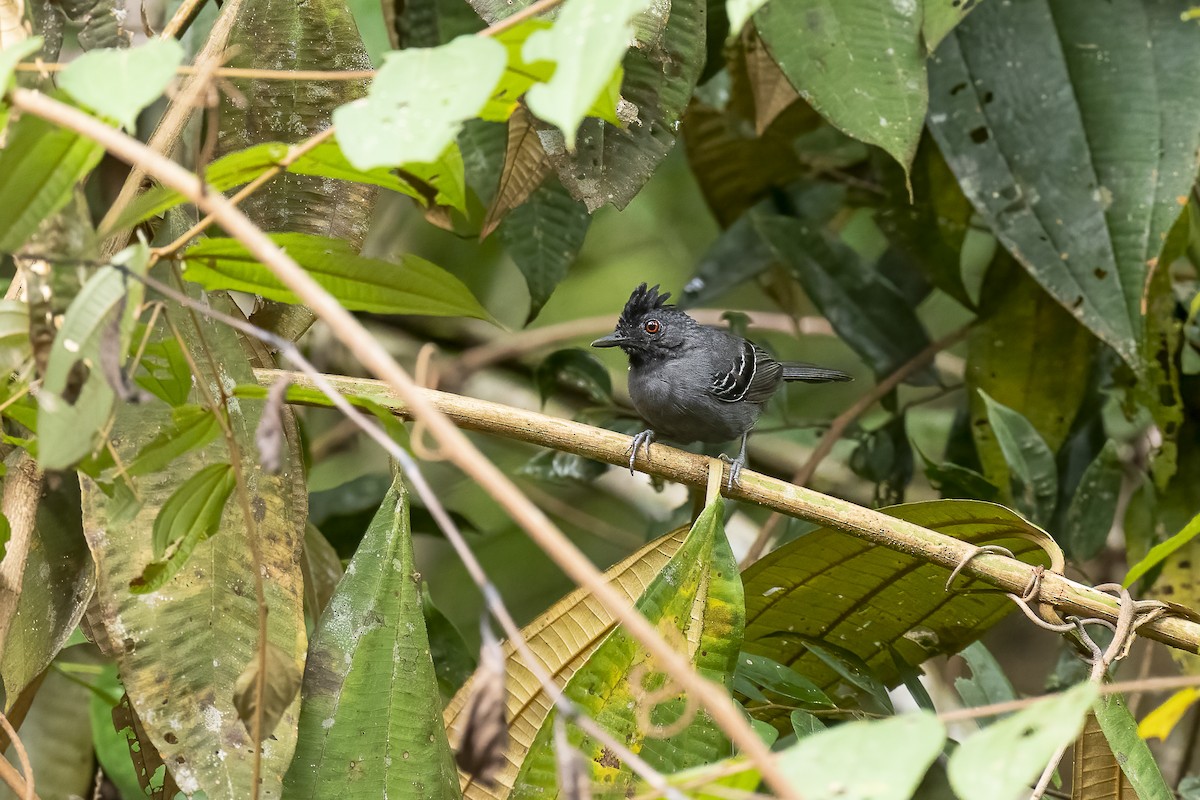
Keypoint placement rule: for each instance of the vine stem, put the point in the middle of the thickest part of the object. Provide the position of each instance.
(843, 421)
(691, 469)
(22, 787)
(715, 698)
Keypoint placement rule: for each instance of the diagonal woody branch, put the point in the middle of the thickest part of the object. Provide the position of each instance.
(692, 470)
(712, 696)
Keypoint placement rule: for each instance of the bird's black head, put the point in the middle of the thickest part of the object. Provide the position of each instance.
(648, 327)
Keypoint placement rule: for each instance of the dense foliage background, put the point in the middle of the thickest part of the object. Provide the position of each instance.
(213, 583)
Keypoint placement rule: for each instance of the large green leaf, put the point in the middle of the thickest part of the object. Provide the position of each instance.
(371, 723)
(1129, 750)
(76, 399)
(120, 82)
(418, 102)
(1072, 128)
(55, 591)
(828, 588)
(182, 648)
(698, 596)
(414, 286)
(860, 63)
(13, 54)
(39, 167)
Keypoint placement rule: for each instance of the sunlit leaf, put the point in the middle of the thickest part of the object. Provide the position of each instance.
(1161, 720)
(883, 760)
(418, 101)
(563, 638)
(414, 286)
(1088, 206)
(120, 82)
(1003, 760)
(1160, 552)
(370, 693)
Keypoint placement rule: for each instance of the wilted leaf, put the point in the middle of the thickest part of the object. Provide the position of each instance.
(587, 42)
(269, 437)
(480, 753)
(279, 689)
(119, 83)
(1090, 204)
(830, 588)
(858, 62)
(414, 286)
(563, 638)
(369, 691)
(418, 101)
(1034, 473)
(1094, 506)
(525, 167)
(1003, 760)
(883, 760)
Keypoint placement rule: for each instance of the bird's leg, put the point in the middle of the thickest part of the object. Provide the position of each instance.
(736, 464)
(643, 439)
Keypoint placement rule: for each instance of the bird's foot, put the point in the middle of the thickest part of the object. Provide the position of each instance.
(735, 468)
(642, 440)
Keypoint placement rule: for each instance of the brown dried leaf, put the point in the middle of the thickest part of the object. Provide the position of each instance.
(773, 92)
(525, 167)
(269, 436)
(280, 688)
(573, 781)
(112, 356)
(1097, 775)
(485, 736)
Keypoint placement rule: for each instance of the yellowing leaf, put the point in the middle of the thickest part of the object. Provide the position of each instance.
(1159, 723)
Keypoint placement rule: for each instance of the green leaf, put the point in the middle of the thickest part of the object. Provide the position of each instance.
(1129, 749)
(858, 62)
(1094, 506)
(988, 684)
(543, 237)
(555, 466)
(865, 309)
(883, 760)
(853, 670)
(1004, 759)
(120, 82)
(1078, 182)
(576, 368)
(1034, 473)
(418, 102)
(39, 167)
(587, 42)
(1161, 551)
(193, 427)
(194, 510)
(370, 694)
(805, 724)
(414, 286)
(775, 677)
(15, 346)
(13, 55)
(66, 429)
(941, 17)
(827, 587)
(699, 597)
(164, 371)
(453, 662)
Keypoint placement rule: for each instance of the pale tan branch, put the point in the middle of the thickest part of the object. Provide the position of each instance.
(714, 697)
(795, 501)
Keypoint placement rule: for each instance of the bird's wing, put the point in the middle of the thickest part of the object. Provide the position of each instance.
(752, 376)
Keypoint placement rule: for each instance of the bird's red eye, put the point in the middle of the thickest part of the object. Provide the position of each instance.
(652, 326)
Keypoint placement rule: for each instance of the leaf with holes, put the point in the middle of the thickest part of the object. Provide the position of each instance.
(1078, 159)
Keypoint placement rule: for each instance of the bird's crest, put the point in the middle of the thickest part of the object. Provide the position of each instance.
(641, 303)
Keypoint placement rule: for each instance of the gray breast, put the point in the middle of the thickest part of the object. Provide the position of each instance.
(675, 402)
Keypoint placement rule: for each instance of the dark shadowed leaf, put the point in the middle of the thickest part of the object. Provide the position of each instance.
(1030, 461)
(774, 677)
(1080, 183)
(279, 689)
(452, 660)
(555, 466)
(484, 739)
(577, 369)
(1093, 508)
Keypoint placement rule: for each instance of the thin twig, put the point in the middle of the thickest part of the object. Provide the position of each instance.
(182, 19)
(27, 790)
(839, 425)
(348, 330)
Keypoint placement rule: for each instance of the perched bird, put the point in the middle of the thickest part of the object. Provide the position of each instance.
(692, 382)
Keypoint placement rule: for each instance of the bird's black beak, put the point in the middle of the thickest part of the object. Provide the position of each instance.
(614, 339)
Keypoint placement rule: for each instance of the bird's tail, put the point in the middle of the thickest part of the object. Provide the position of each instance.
(808, 373)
